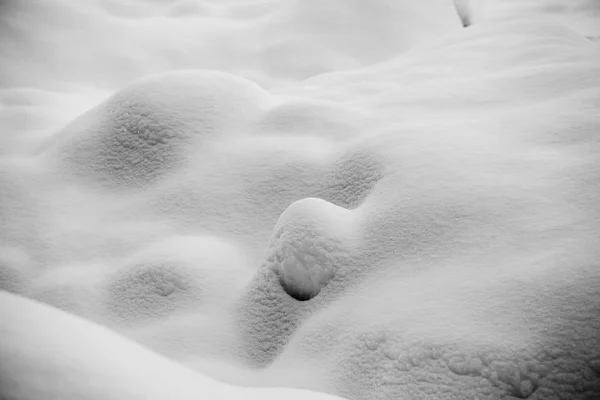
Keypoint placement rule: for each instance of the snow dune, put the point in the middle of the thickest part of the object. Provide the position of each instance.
(362, 199)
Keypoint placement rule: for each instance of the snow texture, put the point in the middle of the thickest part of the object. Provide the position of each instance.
(73, 358)
(383, 199)
(142, 133)
(309, 245)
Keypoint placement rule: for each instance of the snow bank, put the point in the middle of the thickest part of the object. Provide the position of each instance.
(311, 240)
(365, 200)
(72, 359)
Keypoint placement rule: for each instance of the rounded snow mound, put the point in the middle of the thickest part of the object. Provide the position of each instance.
(149, 128)
(310, 243)
(173, 275)
(314, 245)
(151, 289)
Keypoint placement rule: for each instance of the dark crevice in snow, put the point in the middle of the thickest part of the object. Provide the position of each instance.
(295, 293)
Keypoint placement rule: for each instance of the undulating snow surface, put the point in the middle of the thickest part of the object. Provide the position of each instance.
(356, 197)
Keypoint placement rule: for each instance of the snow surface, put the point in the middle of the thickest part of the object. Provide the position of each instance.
(360, 198)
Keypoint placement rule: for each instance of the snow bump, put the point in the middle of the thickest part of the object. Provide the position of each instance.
(152, 126)
(311, 242)
(174, 275)
(151, 290)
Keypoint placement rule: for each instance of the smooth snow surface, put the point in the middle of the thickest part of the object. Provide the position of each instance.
(58, 361)
(360, 198)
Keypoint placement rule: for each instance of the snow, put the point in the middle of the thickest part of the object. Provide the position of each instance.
(312, 239)
(143, 132)
(72, 358)
(252, 198)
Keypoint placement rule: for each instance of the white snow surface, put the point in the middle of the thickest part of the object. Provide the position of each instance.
(244, 199)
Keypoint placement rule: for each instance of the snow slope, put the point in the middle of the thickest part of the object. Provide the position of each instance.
(55, 364)
(358, 198)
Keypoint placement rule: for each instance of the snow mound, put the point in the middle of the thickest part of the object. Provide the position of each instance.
(314, 249)
(398, 207)
(311, 241)
(73, 358)
(174, 275)
(151, 290)
(150, 128)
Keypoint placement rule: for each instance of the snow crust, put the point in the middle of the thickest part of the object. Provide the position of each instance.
(365, 199)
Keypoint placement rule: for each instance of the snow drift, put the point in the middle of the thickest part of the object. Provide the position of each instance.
(364, 199)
